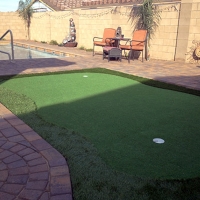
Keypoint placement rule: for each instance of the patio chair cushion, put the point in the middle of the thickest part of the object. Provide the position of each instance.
(108, 33)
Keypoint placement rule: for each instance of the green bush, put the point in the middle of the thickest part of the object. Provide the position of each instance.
(53, 42)
(82, 48)
(89, 49)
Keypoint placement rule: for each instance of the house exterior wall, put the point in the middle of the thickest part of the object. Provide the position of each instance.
(179, 26)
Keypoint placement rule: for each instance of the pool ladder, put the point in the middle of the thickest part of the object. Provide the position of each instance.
(11, 37)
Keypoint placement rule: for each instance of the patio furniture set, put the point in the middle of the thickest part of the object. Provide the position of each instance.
(112, 47)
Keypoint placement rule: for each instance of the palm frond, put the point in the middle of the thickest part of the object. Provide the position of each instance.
(25, 11)
(145, 16)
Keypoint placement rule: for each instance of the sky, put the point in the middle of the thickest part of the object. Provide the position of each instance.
(12, 5)
(8, 5)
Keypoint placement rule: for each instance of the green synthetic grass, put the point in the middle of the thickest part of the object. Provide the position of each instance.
(120, 117)
(91, 177)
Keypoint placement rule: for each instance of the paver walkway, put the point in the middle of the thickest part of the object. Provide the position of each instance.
(30, 168)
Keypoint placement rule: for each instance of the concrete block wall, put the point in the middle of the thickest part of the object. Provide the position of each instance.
(163, 44)
(91, 22)
(11, 21)
(194, 30)
(50, 26)
(179, 26)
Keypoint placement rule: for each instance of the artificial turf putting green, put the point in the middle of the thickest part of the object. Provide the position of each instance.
(121, 117)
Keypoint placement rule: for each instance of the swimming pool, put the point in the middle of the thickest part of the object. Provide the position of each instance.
(27, 53)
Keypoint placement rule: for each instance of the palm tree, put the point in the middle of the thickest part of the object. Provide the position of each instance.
(25, 12)
(146, 16)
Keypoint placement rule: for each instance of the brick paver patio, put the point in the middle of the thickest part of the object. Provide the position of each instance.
(30, 168)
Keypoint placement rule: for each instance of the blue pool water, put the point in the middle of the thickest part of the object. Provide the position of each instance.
(24, 53)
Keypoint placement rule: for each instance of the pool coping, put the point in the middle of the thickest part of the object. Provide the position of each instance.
(44, 49)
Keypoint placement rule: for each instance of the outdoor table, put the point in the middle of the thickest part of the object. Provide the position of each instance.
(118, 39)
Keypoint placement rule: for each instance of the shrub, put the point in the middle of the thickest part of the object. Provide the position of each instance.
(89, 49)
(53, 42)
(82, 48)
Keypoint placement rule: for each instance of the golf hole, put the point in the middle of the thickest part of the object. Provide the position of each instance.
(158, 140)
(85, 76)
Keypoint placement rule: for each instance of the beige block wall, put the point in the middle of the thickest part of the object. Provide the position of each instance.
(163, 45)
(169, 41)
(194, 30)
(50, 26)
(11, 21)
(91, 22)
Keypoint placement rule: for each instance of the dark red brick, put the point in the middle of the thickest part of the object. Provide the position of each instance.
(2, 166)
(25, 152)
(12, 188)
(5, 154)
(62, 197)
(8, 145)
(30, 194)
(41, 144)
(17, 148)
(15, 121)
(4, 124)
(23, 128)
(39, 176)
(19, 163)
(54, 157)
(20, 179)
(2, 142)
(1, 135)
(45, 196)
(16, 138)
(38, 168)
(11, 159)
(60, 185)
(6, 196)
(32, 156)
(36, 185)
(26, 143)
(37, 161)
(3, 175)
(59, 171)
(8, 132)
(19, 170)
(31, 136)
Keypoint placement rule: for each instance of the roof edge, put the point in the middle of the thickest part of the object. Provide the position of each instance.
(46, 5)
